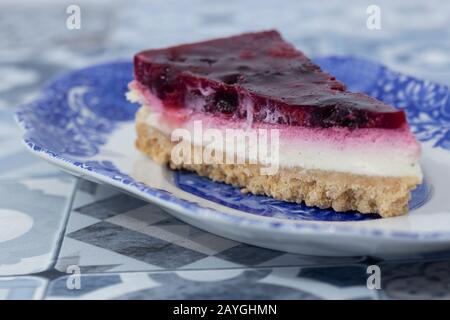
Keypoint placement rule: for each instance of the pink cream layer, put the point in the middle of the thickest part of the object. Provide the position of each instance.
(361, 140)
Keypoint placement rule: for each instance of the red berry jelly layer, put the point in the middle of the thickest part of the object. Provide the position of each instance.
(261, 77)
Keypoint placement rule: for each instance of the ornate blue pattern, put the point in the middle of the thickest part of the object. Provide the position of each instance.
(76, 113)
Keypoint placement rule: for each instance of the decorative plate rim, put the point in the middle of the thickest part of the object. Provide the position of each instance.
(189, 208)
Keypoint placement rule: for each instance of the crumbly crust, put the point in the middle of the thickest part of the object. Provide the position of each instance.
(387, 196)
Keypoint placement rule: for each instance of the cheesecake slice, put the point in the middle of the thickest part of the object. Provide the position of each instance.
(332, 148)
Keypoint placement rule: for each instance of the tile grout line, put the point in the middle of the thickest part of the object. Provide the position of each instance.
(59, 243)
(219, 269)
(67, 210)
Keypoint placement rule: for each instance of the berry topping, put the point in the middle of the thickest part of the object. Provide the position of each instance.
(283, 86)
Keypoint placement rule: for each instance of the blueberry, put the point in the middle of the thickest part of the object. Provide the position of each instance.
(226, 102)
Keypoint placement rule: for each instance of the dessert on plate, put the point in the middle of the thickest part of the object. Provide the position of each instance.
(332, 148)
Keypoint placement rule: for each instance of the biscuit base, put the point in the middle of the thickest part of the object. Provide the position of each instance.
(387, 196)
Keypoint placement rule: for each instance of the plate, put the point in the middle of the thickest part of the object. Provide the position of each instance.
(82, 123)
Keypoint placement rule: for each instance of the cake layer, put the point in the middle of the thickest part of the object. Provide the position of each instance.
(378, 152)
(387, 196)
(261, 77)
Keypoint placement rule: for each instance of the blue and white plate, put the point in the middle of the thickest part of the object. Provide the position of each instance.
(82, 123)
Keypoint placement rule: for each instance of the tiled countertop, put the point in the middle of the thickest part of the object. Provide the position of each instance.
(51, 223)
